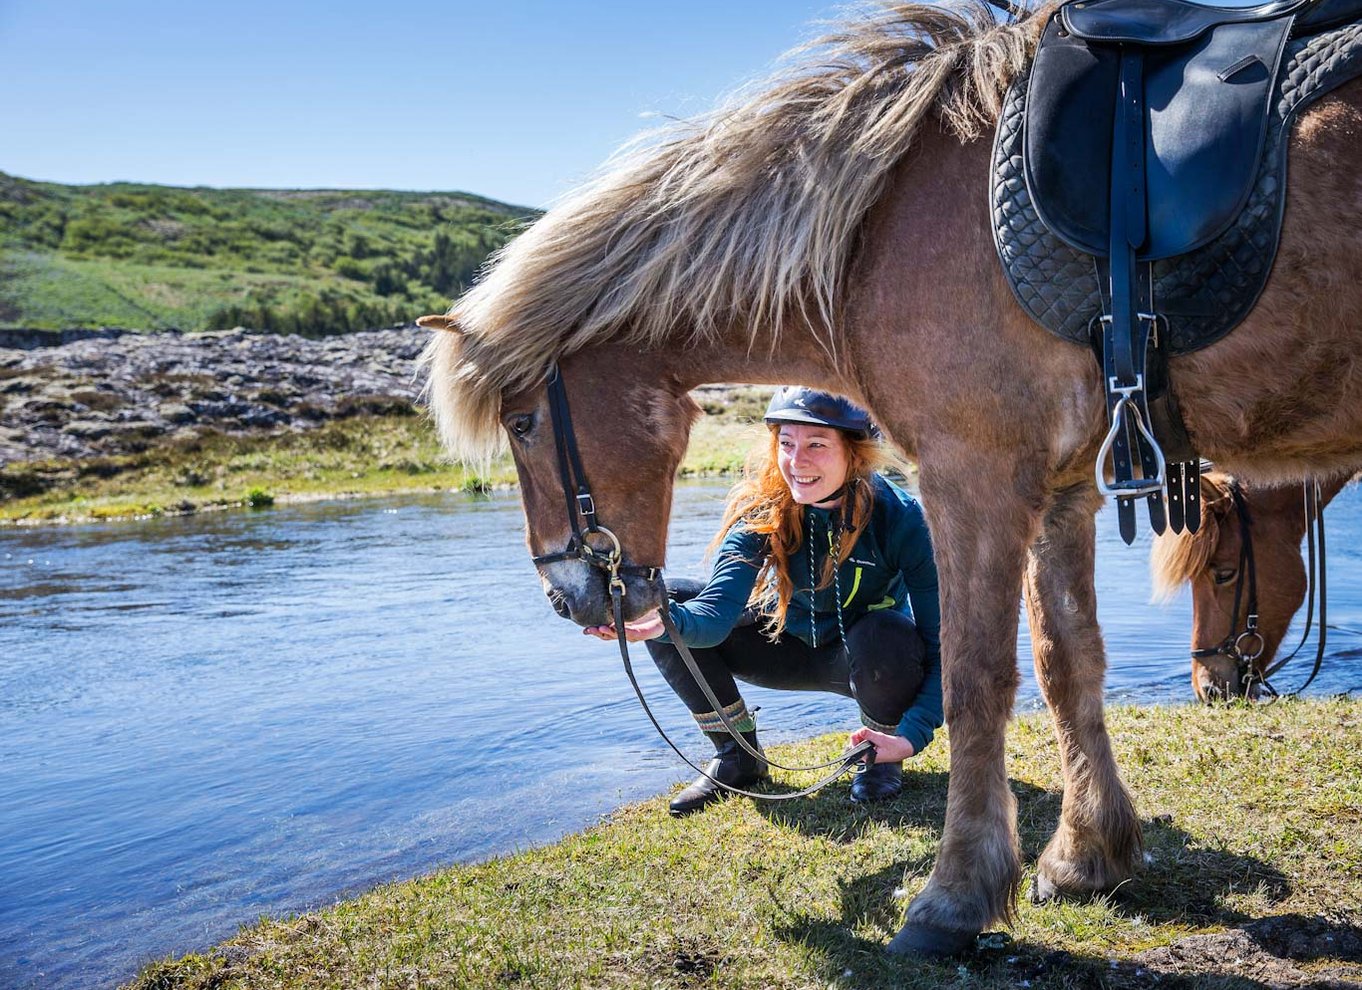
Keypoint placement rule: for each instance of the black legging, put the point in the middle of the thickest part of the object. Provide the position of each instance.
(881, 667)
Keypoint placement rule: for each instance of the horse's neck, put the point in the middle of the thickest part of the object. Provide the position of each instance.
(795, 356)
(1332, 486)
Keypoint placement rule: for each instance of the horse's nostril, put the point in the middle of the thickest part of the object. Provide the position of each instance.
(560, 605)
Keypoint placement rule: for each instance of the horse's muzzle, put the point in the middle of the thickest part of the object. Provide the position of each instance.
(1217, 680)
(559, 604)
(580, 592)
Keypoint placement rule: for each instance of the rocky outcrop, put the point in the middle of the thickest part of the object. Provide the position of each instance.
(114, 392)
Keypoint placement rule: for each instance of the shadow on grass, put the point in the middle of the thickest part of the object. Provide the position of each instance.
(1181, 882)
(831, 814)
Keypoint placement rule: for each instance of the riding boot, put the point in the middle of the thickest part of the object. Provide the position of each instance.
(731, 765)
(880, 783)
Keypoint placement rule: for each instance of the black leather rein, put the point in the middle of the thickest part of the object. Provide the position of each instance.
(581, 508)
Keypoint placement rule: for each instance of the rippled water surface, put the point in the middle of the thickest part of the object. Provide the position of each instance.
(207, 719)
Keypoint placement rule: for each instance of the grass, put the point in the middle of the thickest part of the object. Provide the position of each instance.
(1247, 813)
(359, 455)
(311, 261)
(58, 291)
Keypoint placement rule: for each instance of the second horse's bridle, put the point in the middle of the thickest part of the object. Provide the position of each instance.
(1246, 646)
(581, 508)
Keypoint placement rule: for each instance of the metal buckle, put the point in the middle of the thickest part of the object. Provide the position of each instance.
(586, 505)
(1252, 634)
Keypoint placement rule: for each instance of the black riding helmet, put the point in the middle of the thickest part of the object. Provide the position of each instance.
(806, 406)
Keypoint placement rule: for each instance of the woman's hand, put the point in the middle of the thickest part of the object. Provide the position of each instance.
(888, 749)
(648, 627)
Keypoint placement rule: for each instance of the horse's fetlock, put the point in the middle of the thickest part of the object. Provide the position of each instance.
(971, 889)
(1082, 863)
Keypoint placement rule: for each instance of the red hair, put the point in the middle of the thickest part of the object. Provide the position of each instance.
(761, 502)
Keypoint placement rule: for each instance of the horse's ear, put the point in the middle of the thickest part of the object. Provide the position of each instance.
(439, 323)
(1215, 491)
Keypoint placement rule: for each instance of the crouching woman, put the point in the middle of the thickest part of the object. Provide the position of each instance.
(823, 581)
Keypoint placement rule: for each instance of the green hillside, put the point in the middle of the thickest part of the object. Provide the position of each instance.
(295, 261)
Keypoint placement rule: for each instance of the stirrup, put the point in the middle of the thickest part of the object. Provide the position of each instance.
(1129, 488)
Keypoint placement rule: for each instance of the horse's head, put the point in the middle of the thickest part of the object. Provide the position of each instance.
(1266, 523)
(629, 425)
(596, 474)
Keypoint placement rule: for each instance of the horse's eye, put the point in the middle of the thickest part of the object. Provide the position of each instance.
(521, 425)
(1224, 575)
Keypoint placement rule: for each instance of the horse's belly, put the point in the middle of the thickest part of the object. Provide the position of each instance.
(1281, 396)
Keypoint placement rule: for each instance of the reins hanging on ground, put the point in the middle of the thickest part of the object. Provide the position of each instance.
(581, 506)
(855, 759)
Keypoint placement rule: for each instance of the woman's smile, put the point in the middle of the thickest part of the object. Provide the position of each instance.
(813, 461)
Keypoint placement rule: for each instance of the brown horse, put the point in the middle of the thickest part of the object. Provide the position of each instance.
(1210, 559)
(832, 228)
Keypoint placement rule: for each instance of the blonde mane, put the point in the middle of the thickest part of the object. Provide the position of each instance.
(1179, 557)
(747, 216)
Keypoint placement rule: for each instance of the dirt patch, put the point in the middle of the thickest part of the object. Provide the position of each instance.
(1283, 951)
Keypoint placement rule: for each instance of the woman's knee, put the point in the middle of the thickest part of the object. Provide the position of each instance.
(887, 632)
(886, 646)
(683, 589)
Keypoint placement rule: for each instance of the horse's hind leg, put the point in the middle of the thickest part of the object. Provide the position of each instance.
(1098, 839)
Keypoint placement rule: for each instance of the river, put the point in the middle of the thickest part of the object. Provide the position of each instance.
(210, 718)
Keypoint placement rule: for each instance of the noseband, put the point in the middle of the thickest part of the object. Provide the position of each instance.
(1246, 646)
(581, 508)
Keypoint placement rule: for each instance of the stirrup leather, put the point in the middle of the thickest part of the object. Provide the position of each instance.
(1129, 327)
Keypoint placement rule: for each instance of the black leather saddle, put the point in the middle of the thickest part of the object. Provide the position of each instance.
(1208, 74)
(1161, 22)
(1143, 134)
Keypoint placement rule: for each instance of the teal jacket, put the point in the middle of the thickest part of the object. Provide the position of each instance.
(891, 566)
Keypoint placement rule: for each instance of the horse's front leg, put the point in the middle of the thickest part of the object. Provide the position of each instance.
(984, 512)
(1098, 842)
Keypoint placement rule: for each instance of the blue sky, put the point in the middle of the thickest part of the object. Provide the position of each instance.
(513, 99)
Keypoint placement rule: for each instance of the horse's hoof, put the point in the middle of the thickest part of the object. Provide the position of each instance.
(916, 939)
(1043, 891)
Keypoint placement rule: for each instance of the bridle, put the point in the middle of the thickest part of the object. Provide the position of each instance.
(1245, 646)
(581, 508)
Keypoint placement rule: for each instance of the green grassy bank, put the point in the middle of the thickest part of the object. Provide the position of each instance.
(359, 455)
(1248, 814)
(291, 260)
